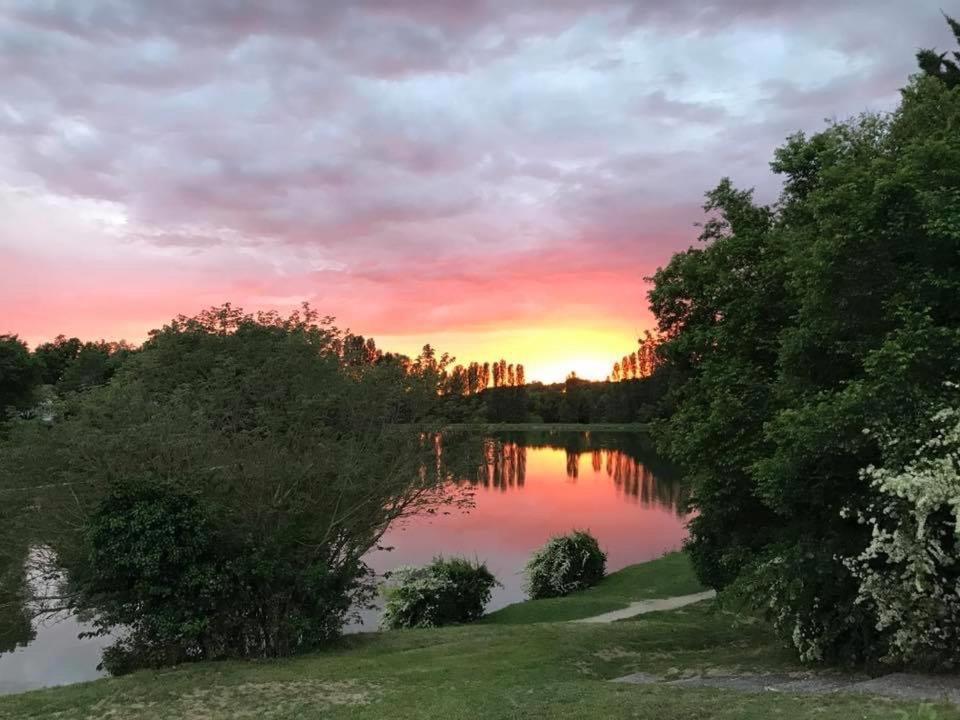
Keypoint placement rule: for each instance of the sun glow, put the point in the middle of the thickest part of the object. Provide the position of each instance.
(548, 354)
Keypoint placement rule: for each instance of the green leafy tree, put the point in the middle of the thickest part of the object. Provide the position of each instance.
(795, 327)
(938, 65)
(234, 473)
(19, 375)
(94, 364)
(55, 356)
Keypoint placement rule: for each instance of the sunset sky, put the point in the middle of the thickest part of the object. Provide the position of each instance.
(495, 177)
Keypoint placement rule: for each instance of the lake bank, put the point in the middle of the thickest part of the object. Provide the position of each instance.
(523, 487)
(548, 427)
(519, 662)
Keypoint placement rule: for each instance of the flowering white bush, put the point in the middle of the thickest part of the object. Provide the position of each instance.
(565, 564)
(909, 574)
(442, 593)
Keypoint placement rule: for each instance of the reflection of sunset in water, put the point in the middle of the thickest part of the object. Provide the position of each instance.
(524, 495)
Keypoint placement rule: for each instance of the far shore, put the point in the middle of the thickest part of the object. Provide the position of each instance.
(545, 427)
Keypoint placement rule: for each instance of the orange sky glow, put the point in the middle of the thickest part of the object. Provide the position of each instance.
(493, 178)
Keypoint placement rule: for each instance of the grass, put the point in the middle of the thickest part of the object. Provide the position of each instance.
(669, 576)
(517, 664)
(546, 427)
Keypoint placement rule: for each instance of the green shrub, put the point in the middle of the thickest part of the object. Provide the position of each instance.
(183, 590)
(442, 593)
(565, 564)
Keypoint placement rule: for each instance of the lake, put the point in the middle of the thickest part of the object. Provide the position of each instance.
(530, 486)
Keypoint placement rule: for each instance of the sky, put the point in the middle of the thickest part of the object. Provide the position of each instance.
(494, 177)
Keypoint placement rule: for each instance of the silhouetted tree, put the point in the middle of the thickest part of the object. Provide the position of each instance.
(938, 65)
(55, 356)
(19, 374)
(94, 365)
(458, 381)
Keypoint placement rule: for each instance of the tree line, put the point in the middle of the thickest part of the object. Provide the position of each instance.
(476, 377)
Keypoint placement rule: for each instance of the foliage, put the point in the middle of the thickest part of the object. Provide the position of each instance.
(94, 364)
(55, 356)
(444, 592)
(19, 375)
(938, 65)
(572, 401)
(790, 330)
(224, 486)
(567, 563)
(909, 574)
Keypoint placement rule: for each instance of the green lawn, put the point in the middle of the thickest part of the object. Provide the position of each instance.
(500, 668)
(670, 575)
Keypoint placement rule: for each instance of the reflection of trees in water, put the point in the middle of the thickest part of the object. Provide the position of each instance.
(504, 465)
(502, 461)
(636, 480)
(16, 629)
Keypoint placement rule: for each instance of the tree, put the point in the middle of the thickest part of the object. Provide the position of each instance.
(94, 364)
(521, 376)
(459, 381)
(19, 375)
(795, 327)
(938, 65)
(235, 472)
(54, 357)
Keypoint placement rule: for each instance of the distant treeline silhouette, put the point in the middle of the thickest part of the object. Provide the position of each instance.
(495, 391)
(573, 401)
(641, 363)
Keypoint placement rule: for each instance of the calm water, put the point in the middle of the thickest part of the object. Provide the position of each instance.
(528, 487)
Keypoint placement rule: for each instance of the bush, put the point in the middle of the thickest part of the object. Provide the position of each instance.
(159, 567)
(565, 564)
(909, 575)
(442, 593)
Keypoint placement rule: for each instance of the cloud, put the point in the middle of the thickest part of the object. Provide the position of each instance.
(421, 164)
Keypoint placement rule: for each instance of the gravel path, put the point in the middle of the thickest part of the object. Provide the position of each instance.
(641, 607)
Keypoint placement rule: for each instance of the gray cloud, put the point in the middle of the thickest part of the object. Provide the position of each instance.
(386, 132)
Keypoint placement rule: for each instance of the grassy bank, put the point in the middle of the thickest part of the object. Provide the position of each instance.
(545, 427)
(517, 663)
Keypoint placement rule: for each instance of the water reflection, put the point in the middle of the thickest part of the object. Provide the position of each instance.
(525, 488)
(530, 486)
(503, 465)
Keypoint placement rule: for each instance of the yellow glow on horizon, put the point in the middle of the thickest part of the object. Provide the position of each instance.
(548, 354)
